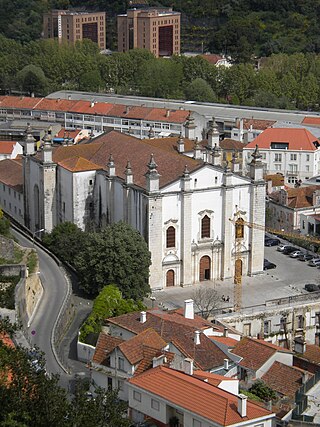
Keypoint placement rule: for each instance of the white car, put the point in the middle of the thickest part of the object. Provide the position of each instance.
(315, 262)
(296, 254)
(281, 247)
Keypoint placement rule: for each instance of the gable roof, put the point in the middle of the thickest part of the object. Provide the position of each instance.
(300, 197)
(283, 379)
(174, 328)
(207, 401)
(79, 164)
(255, 353)
(257, 124)
(105, 344)
(6, 147)
(297, 138)
(211, 378)
(312, 354)
(11, 173)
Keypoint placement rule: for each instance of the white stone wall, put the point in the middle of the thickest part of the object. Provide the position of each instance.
(17, 149)
(11, 202)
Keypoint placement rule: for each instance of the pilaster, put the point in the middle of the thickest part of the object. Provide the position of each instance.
(186, 229)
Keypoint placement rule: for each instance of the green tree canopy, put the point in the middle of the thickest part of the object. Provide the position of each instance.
(200, 90)
(117, 254)
(31, 79)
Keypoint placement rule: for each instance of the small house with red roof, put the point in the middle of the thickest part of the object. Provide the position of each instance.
(10, 149)
(164, 396)
(293, 152)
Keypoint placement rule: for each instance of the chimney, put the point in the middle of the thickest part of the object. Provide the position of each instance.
(127, 109)
(305, 377)
(242, 405)
(299, 345)
(167, 113)
(225, 332)
(188, 309)
(160, 360)
(69, 97)
(188, 366)
(226, 364)
(143, 317)
(92, 104)
(197, 337)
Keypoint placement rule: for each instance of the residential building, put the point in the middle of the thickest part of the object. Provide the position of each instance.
(11, 188)
(295, 209)
(293, 152)
(72, 26)
(10, 149)
(274, 182)
(182, 207)
(155, 29)
(217, 60)
(141, 122)
(164, 395)
(247, 130)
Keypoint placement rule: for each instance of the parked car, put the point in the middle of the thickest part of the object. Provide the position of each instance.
(282, 247)
(311, 287)
(296, 254)
(267, 265)
(289, 249)
(305, 257)
(271, 242)
(314, 262)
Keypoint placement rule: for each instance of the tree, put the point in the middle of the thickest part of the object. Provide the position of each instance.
(4, 225)
(117, 254)
(31, 79)
(263, 391)
(65, 240)
(206, 300)
(200, 90)
(108, 303)
(91, 81)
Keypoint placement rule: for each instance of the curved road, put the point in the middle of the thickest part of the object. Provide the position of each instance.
(55, 290)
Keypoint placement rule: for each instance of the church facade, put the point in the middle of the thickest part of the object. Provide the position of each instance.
(194, 214)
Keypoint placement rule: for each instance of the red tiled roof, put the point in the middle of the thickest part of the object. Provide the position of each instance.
(69, 133)
(312, 354)
(11, 174)
(79, 164)
(170, 144)
(276, 179)
(315, 121)
(230, 342)
(173, 327)
(98, 108)
(6, 147)
(256, 124)
(283, 379)
(196, 396)
(255, 353)
(212, 58)
(231, 144)
(298, 139)
(210, 378)
(301, 197)
(105, 344)
(133, 348)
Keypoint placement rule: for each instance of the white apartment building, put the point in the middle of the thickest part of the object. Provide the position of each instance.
(293, 152)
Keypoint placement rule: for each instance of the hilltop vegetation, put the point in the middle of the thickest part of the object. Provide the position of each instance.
(240, 28)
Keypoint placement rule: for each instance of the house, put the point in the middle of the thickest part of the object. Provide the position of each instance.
(274, 182)
(163, 395)
(190, 212)
(217, 60)
(247, 130)
(10, 149)
(295, 209)
(11, 188)
(293, 152)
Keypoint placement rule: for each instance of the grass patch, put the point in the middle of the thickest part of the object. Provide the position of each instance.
(32, 261)
(7, 289)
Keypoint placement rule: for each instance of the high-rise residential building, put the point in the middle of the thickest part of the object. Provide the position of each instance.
(73, 26)
(155, 29)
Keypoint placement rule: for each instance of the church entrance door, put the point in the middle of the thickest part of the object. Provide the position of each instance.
(205, 268)
(170, 278)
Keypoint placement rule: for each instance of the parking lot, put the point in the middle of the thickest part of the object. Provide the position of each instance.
(287, 279)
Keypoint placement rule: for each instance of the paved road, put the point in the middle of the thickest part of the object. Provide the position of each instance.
(219, 111)
(287, 279)
(55, 291)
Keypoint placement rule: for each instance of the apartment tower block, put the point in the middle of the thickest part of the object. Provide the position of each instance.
(155, 29)
(70, 26)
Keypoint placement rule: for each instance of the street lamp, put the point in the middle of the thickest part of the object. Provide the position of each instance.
(34, 234)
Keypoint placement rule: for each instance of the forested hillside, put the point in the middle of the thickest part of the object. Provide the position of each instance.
(240, 28)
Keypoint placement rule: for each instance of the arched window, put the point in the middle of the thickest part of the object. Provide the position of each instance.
(205, 227)
(240, 228)
(171, 237)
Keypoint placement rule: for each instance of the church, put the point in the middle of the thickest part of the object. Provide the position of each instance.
(194, 214)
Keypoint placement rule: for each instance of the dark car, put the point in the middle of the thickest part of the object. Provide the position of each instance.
(271, 242)
(289, 249)
(305, 257)
(267, 265)
(311, 287)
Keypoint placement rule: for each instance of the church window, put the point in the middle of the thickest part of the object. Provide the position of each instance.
(171, 237)
(205, 227)
(239, 228)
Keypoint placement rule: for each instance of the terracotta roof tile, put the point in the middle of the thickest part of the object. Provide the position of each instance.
(210, 378)
(301, 197)
(283, 379)
(22, 102)
(47, 104)
(133, 348)
(170, 144)
(231, 144)
(312, 354)
(173, 327)
(6, 147)
(212, 58)
(255, 353)
(315, 121)
(277, 179)
(256, 124)
(297, 138)
(79, 164)
(105, 345)
(230, 342)
(207, 401)
(11, 174)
